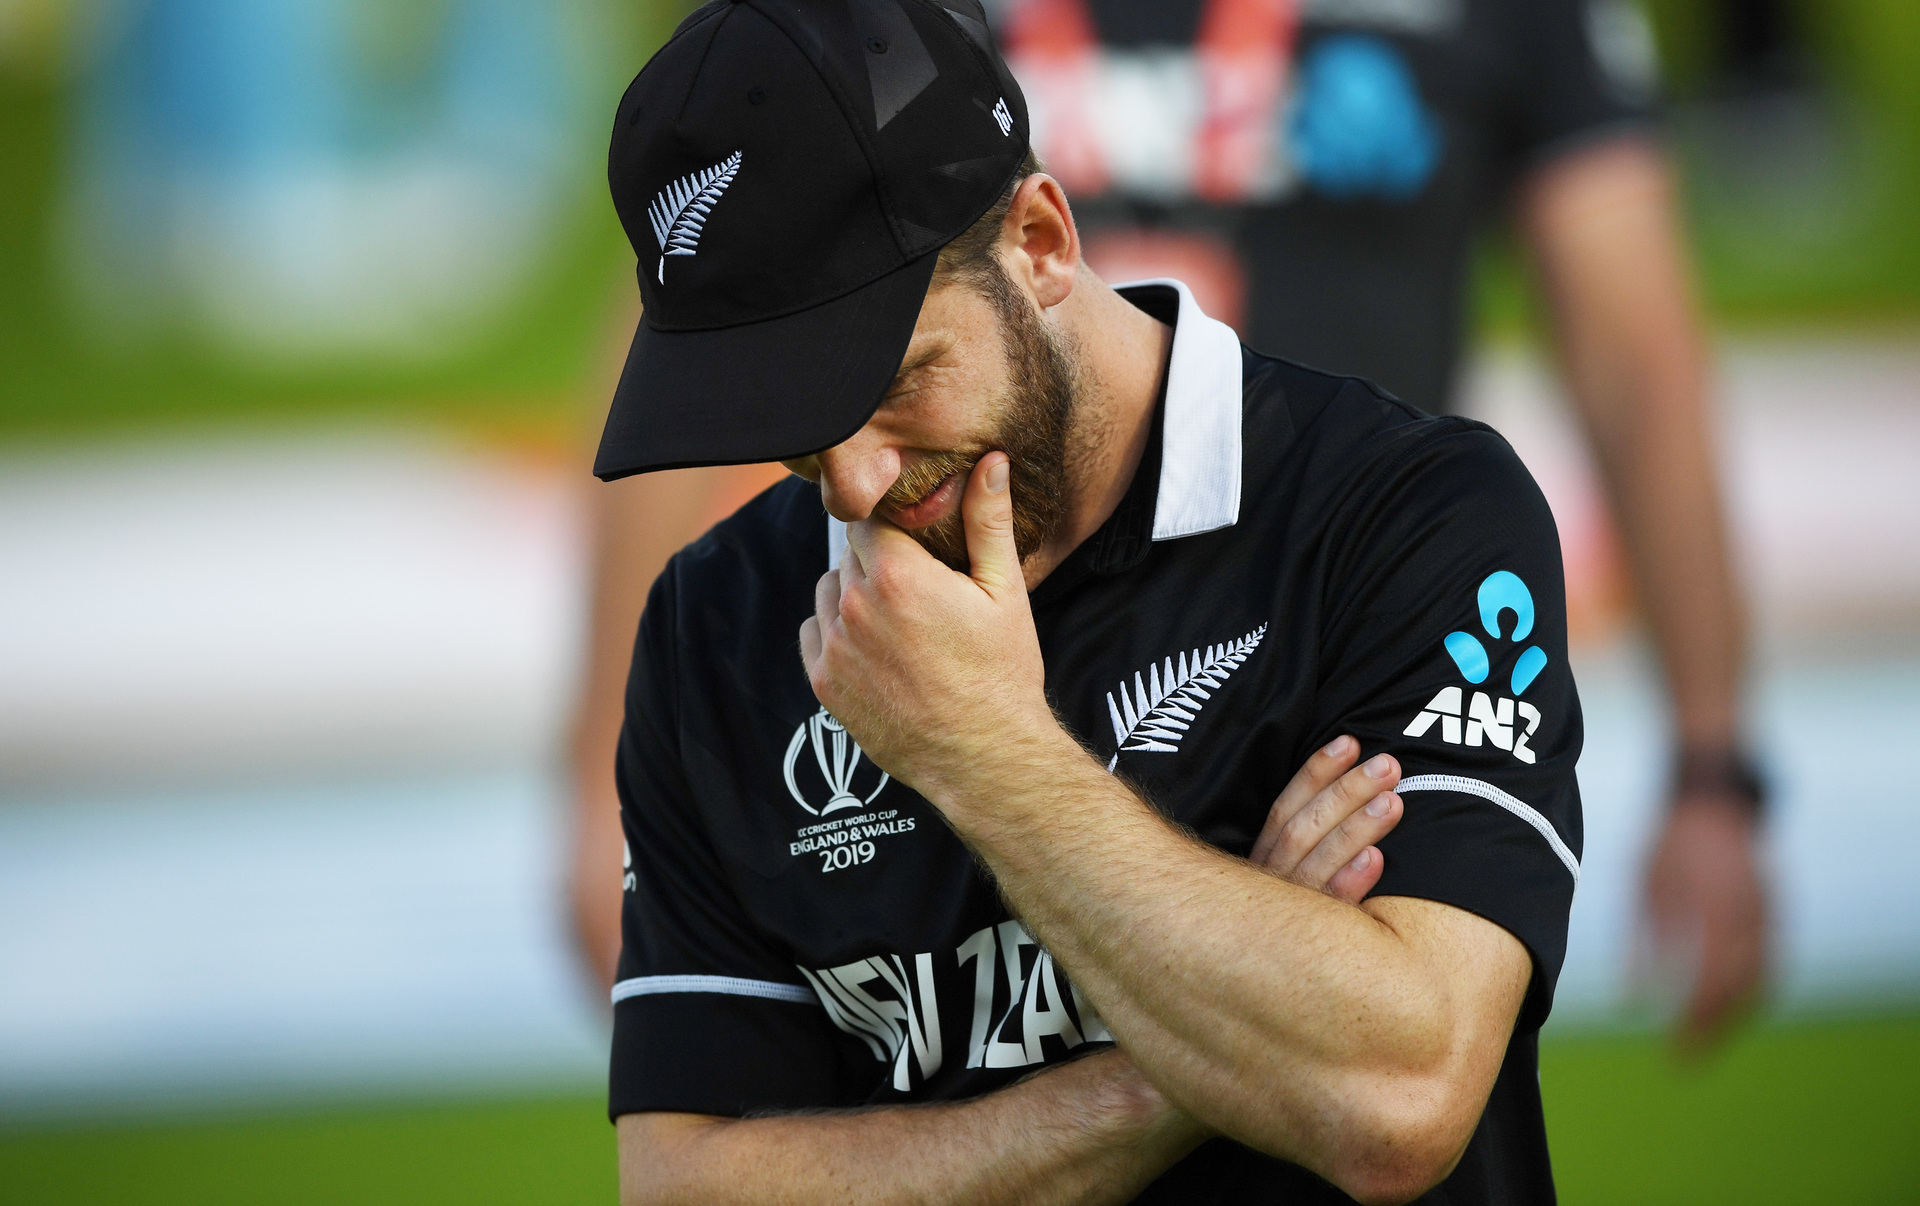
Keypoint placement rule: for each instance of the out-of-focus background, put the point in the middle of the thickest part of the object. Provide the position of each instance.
(308, 310)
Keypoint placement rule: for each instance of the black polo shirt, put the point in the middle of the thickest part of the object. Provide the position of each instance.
(1299, 556)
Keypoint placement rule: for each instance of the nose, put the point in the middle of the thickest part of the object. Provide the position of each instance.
(855, 476)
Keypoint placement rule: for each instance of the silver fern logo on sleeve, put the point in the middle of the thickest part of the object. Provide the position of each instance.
(1154, 714)
(680, 212)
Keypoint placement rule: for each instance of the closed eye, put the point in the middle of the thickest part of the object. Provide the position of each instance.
(913, 371)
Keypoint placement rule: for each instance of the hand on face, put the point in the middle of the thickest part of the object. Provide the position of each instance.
(933, 671)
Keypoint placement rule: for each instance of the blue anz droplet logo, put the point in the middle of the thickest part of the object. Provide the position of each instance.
(1502, 591)
(1487, 720)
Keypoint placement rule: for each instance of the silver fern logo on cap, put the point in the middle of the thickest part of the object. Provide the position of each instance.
(1155, 714)
(680, 212)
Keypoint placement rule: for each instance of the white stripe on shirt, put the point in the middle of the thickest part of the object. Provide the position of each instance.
(732, 986)
(1487, 791)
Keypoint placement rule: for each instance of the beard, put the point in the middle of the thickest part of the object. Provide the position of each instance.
(1035, 420)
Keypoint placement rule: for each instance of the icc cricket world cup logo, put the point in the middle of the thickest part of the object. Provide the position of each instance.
(838, 756)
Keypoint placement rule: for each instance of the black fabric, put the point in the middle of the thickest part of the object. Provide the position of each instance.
(1373, 284)
(653, 1070)
(1159, 23)
(775, 159)
(765, 851)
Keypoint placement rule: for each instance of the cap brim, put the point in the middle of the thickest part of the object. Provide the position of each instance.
(765, 391)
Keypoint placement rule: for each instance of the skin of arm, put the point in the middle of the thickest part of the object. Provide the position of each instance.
(1602, 227)
(1091, 1131)
(1360, 1043)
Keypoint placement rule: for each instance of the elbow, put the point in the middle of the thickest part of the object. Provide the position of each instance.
(1401, 1146)
(1392, 1183)
(661, 1160)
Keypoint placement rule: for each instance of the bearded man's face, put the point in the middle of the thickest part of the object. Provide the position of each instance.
(983, 372)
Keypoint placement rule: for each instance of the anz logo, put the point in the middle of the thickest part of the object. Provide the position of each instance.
(1489, 720)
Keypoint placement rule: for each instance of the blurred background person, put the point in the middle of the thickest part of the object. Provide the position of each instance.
(636, 524)
(1320, 172)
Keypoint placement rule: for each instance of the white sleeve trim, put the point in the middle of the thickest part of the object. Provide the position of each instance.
(1487, 791)
(732, 986)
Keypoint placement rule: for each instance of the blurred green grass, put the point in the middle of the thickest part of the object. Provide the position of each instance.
(547, 1151)
(1823, 1111)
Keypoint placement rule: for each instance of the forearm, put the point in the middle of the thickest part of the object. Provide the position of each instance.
(1094, 1131)
(1295, 1023)
(1605, 236)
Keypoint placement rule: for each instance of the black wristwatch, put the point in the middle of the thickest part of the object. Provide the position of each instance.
(1725, 771)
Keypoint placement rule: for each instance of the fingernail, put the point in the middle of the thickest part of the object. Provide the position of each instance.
(997, 477)
(1336, 747)
(1378, 766)
(1359, 861)
(1380, 805)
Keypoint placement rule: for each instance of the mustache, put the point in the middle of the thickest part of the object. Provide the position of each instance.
(924, 476)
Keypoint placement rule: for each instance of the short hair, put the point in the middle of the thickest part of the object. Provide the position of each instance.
(970, 259)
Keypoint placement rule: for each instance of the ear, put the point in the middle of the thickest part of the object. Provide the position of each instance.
(1039, 244)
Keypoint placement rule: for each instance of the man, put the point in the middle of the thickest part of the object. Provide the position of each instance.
(1100, 577)
(1317, 171)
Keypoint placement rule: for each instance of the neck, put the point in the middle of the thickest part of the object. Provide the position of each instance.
(1121, 354)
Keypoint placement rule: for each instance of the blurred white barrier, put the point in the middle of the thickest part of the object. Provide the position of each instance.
(339, 938)
(278, 608)
(1821, 442)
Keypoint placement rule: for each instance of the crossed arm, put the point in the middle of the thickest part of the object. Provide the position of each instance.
(1092, 1131)
(1360, 1042)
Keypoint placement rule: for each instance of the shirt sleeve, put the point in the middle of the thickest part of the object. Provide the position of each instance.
(1445, 645)
(708, 1016)
(1581, 69)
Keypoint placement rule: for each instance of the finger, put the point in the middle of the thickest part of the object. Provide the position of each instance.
(1716, 1004)
(826, 597)
(810, 644)
(1731, 964)
(1322, 768)
(987, 511)
(1352, 882)
(1709, 1012)
(1358, 831)
(826, 608)
(877, 550)
(1328, 808)
(862, 551)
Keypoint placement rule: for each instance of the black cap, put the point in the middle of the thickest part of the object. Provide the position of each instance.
(787, 172)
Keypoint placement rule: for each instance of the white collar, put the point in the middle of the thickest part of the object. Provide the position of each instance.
(1199, 430)
(1200, 424)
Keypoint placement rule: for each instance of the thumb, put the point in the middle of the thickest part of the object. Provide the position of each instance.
(987, 511)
